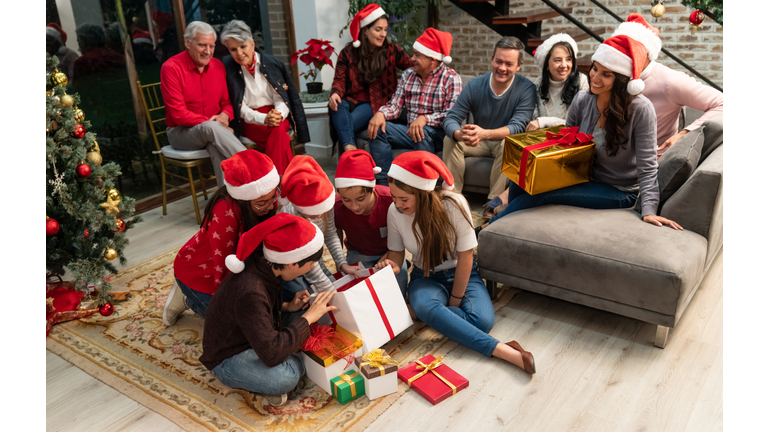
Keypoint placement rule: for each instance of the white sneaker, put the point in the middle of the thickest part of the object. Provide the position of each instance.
(274, 400)
(174, 305)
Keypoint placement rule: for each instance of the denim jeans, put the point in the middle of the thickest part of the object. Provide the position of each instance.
(397, 137)
(354, 257)
(467, 324)
(347, 124)
(195, 300)
(246, 371)
(592, 195)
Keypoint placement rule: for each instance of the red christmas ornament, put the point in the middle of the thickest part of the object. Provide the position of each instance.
(84, 170)
(51, 226)
(106, 310)
(85, 234)
(119, 225)
(695, 20)
(79, 131)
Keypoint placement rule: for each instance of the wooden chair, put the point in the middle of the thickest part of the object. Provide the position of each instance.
(151, 98)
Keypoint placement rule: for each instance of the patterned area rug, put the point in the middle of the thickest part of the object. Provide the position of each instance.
(157, 366)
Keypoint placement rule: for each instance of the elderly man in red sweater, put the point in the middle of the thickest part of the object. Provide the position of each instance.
(197, 107)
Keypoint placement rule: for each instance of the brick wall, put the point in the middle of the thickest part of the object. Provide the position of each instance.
(473, 42)
(278, 30)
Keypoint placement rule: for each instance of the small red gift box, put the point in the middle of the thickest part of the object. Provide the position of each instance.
(432, 379)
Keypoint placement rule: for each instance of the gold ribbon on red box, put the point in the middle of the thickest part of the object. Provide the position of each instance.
(437, 362)
(566, 138)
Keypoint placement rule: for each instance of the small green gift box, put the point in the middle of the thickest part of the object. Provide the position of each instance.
(348, 387)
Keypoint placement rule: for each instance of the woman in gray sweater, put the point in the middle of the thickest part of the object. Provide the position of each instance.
(623, 123)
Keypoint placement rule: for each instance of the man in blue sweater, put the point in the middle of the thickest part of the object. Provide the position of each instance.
(501, 104)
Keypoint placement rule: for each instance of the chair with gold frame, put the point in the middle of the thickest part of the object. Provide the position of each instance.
(151, 99)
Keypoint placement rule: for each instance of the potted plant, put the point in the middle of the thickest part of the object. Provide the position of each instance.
(316, 55)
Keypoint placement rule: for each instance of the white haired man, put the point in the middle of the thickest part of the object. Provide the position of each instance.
(197, 106)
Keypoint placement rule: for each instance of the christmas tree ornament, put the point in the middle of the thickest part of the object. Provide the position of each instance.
(67, 100)
(54, 125)
(93, 158)
(110, 254)
(86, 232)
(106, 310)
(51, 226)
(79, 132)
(59, 79)
(695, 20)
(79, 115)
(83, 170)
(114, 195)
(57, 99)
(119, 226)
(111, 206)
(658, 9)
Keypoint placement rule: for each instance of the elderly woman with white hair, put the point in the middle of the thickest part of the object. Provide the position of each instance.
(264, 98)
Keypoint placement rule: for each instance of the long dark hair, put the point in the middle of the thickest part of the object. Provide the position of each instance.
(571, 86)
(249, 218)
(617, 113)
(371, 60)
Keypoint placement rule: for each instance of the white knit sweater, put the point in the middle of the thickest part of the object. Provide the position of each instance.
(554, 112)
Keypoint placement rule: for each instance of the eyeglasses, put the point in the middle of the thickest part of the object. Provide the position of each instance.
(269, 202)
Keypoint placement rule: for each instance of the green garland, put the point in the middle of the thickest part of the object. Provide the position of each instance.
(711, 8)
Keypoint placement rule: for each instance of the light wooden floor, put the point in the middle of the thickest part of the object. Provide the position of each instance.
(596, 371)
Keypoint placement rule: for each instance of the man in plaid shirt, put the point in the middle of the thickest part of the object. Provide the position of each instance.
(427, 91)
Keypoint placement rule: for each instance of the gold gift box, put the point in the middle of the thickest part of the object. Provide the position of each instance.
(325, 358)
(548, 168)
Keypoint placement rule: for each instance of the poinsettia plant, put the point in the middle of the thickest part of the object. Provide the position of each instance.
(316, 55)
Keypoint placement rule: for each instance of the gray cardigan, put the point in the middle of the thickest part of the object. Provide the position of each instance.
(636, 161)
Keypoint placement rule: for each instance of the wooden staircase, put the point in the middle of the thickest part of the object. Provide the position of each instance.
(525, 25)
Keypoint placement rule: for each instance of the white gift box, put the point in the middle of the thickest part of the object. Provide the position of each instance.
(322, 375)
(379, 386)
(373, 308)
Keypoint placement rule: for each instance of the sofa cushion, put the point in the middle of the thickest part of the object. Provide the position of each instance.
(713, 136)
(477, 171)
(608, 254)
(678, 162)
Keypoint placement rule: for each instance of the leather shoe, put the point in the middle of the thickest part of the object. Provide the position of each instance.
(528, 363)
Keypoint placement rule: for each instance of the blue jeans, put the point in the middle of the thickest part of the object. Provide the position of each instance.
(246, 371)
(347, 124)
(592, 195)
(195, 300)
(467, 324)
(397, 137)
(354, 257)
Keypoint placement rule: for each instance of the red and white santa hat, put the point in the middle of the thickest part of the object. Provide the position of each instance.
(287, 239)
(356, 168)
(638, 29)
(249, 175)
(369, 14)
(626, 56)
(306, 186)
(57, 27)
(436, 44)
(141, 36)
(421, 169)
(540, 54)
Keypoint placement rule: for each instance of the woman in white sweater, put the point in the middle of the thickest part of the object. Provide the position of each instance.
(558, 83)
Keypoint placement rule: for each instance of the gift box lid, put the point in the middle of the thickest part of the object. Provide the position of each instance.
(325, 358)
(435, 385)
(376, 363)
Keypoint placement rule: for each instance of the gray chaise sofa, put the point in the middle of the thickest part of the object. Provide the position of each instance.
(611, 259)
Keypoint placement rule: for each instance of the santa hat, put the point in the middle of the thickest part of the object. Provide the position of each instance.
(540, 54)
(141, 36)
(62, 33)
(420, 169)
(623, 55)
(436, 44)
(638, 29)
(369, 14)
(306, 186)
(287, 239)
(162, 20)
(249, 174)
(356, 168)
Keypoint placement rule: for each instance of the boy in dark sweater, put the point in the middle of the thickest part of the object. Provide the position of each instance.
(251, 337)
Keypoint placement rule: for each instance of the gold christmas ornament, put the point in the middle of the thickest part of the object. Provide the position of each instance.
(57, 99)
(111, 205)
(114, 195)
(658, 10)
(96, 147)
(58, 78)
(67, 100)
(79, 115)
(110, 254)
(93, 157)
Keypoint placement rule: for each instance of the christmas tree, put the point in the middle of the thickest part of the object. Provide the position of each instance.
(86, 217)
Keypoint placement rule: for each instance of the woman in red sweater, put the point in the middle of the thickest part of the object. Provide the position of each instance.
(366, 75)
(249, 197)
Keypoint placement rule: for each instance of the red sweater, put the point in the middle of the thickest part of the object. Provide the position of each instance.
(348, 82)
(365, 234)
(192, 97)
(200, 263)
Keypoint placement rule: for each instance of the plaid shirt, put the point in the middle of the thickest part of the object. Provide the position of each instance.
(432, 99)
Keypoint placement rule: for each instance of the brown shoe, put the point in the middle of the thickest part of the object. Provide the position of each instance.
(528, 363)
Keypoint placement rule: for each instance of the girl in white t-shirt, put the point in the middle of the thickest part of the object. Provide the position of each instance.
(445, 289)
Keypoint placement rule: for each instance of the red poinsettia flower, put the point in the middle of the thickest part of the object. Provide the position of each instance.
(316, 55)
